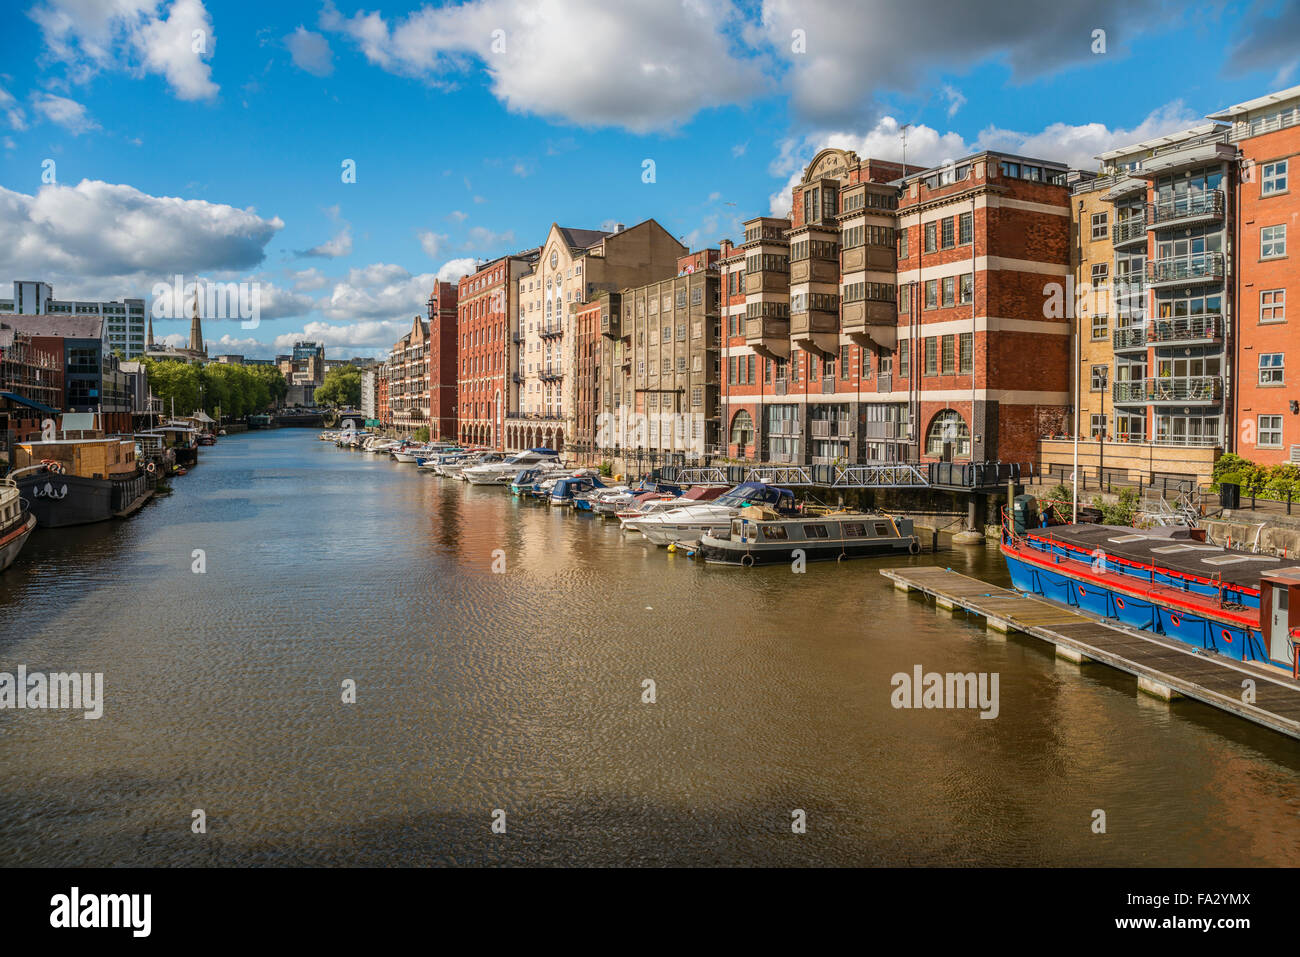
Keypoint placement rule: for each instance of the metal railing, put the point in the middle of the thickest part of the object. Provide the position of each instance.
(1208, 388)
(1128, 230)
(1184, 268)
(1207, 325)
(1134, 337)
(1191, 206)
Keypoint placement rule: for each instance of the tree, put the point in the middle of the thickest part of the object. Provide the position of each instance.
(342, 387)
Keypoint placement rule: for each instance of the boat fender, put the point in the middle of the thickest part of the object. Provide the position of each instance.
(914, 548)
(672, 546)
(840, 557)
(747, 560)
(151, 468)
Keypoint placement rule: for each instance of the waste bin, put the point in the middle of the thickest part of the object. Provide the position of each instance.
(1229, 495)
(1024, 512)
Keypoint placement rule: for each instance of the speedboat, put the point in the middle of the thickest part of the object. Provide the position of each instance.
(16, 522)
(410, 453)
(687, 523)
(761, 536)
(503, 472)
(649, 503)
(567, 489)
(474, 457)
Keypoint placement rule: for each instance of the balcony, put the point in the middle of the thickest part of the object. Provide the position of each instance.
(1205, 327)
(1184, 270)
(816, 330)
(551, 330)
(828, 383)
(868, 322)
(781, 387)
(516, 378)
(1183, 210)
(836, 428)
(891, 431)
(768, 336)
(550, 373)
(1129, 231)
(1186, 390)
(1134, 337)
(516, 337)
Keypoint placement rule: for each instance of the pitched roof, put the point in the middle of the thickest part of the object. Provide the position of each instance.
(581, 238)
(69, 327)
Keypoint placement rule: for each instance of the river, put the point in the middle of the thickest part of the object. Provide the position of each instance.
(516, 696)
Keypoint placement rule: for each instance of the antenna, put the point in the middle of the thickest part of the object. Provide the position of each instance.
(905, 127)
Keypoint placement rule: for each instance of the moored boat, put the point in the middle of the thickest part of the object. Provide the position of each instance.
(16, 522)
(686, 523)
(79, 481)
(761, 536)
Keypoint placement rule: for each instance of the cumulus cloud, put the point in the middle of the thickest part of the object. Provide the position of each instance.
(638, 64)
(480, 237)
(340, 245)
(850, 51)
(368, 334)
(97, 229)
(172, 40)
(310, 51)
(309, 279)
(453, 269)
(1075, 145)
(433, 244)
(69, 114)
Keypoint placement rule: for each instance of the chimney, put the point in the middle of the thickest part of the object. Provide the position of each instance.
(618, 227)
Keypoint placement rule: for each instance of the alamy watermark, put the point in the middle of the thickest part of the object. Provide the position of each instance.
(57, 690)
(216, 300)
(665, 431)
(922, 689)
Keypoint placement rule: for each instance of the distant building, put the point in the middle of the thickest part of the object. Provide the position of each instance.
(124, 320)
(196, 352)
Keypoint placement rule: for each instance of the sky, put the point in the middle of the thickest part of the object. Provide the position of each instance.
(344, 158)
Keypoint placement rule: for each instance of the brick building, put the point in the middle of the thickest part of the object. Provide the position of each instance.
(1266, 131)
(442, 367)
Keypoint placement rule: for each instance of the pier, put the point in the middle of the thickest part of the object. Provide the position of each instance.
(1165, 669)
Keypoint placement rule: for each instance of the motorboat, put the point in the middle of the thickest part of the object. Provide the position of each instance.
(567, 489)
(648, 503)
(504, 471)
(686, 523)
(470, 459)
(761, 536)
(16, 522)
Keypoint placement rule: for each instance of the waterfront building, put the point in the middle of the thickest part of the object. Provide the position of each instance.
(383, 411)
(488, 347)
(739, 409)
(659, 394)
(31, 383)
(573, 266)
(369, 389)
(408, 379)
(1266, 133)
(124, 319)
(441, 366)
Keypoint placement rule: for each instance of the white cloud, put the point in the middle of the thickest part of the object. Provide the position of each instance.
(638, 64)
(956, 99)
(61, 111)
(1076, 146)
(174, 41)
(97, 229)
(310, 51)
(453, 269)
(340, 245)
(309, 279)
(457, 216)
(434, 244)
(367, 334)
(480, 237)
(13, 112)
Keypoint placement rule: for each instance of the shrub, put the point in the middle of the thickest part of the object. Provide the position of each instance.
(421, 434)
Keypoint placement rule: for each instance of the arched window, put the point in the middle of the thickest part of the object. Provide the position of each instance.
(949, 429)
(742, 429)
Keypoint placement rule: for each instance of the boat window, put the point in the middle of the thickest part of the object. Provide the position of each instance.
(1233, 559)
(774, 531)
(854, 529)
(882, 528)
(815, 531)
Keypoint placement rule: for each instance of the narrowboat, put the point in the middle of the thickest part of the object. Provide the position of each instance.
(1168, 580)
(80, 481)
(16, 522)
(761, 536)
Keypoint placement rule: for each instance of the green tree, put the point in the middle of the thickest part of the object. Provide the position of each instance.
(342, 387)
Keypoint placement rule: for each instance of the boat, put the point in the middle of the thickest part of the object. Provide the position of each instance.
(567, 489)
(503, 472)
(685, 524)
(16, 522)
(1167, 580)
(761, 536)
(664, 498)
(78, 480)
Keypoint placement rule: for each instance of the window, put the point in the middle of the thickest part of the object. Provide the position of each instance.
(1099, 330)
(905, 358)
(815, 531)
(949, 290)
(1269, 432)
(1097, 380)
(965, 229)
(742, 428)
(931, 293)
(948, 435)
(947, 233)
(1272, 242)
(1097, 426)
(1100, 272)
(1273, 178)
(966, 352)
(1272, 305)
(947, 358)
(1271, 368)
(966, 289)
(931, 356)
(1099, 226)
(905, 298)
(697, 395)
(844, 363)
(902, 244)
(930, 241)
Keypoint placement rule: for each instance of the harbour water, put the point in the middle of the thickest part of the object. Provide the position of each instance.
(521, 691)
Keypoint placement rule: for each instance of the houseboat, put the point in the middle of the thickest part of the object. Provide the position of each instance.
(1168, 581)
(685, 523)
(761, 536)
(16, 522)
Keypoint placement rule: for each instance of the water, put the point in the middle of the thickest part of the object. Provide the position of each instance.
(522, 692)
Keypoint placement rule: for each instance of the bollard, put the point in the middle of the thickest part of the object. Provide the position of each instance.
(934, 540)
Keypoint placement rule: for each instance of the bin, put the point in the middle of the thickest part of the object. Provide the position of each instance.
(1024, 512)
(1229, 495)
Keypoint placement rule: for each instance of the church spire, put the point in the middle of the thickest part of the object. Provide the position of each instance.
(196, 327)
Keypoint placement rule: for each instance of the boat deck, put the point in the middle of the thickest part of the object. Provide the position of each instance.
(1165, 664)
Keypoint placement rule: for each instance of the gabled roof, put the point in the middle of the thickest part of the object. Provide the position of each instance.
(69, 327)
(581, 238)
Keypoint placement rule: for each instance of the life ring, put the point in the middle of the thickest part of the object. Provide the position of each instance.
(747, 560)
(914, 547)
(151, 468)
(52, 466)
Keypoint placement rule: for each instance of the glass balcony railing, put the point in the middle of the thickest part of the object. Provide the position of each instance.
(1198, 267)
(1129, 230)
(1134, 337)
(1177, 209)
(1189, 389)
(1200, 327)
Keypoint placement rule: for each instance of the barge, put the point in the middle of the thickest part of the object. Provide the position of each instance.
(760, 536)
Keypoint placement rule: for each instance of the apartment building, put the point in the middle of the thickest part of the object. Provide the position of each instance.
(442, 367)
(573, 266)
(1094, 224)
(587, 373)
(1266, 133)
(408, 379)
(123, 320)
(659, 378)
(488, 346)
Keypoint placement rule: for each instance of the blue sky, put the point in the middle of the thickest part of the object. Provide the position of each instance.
(474, 126)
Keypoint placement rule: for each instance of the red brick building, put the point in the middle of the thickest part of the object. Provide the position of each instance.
(1266, 357)
(441, 367)
(899, 317)
(587, 372)
(486, 348)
